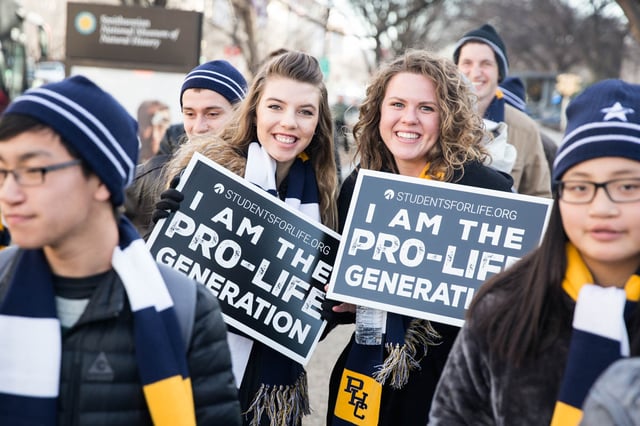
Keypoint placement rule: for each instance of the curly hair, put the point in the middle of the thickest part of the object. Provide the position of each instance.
(231, 146)
(461, 128)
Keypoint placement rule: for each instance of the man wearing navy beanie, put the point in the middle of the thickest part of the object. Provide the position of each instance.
(86, 313)
(486, 34)
(209, 95)
(482, 57)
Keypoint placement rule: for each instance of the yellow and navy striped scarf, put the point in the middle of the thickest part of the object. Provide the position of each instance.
(367, 368)
(599, 334)
(30, 338)
(5, 237)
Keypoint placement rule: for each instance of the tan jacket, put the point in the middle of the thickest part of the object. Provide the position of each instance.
(530, 172)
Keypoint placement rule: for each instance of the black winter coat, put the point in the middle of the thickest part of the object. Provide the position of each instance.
(99, 380)
(410, 405)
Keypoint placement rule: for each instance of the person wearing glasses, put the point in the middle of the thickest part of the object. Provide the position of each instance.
(91, 327)
(538, 334)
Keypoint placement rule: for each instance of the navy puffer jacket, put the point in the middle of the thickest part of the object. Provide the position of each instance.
(99, 383)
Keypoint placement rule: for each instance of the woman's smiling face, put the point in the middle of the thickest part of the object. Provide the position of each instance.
(286, 118)
(410, 121)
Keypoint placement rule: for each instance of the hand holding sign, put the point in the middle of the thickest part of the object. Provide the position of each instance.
(267, 263)
(170, 200)
(336, 312)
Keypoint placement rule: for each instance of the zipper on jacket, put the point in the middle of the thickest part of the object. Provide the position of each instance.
(75, 380)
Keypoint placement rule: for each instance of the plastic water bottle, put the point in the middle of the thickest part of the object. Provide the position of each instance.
(370, 325)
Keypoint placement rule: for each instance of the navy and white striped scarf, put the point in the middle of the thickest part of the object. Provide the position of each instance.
(30, 338)
(282, 397)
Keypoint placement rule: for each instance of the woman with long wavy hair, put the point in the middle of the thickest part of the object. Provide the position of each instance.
(280, 139)
(417, 120)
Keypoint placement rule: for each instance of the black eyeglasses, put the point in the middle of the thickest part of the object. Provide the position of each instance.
(33, 176)
(583, 192)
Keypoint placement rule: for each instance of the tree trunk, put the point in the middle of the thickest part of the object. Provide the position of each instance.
(631, 9)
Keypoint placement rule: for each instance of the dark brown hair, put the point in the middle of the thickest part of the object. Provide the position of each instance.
(529, 312)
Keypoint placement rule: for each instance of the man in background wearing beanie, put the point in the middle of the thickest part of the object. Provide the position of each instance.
(93, 331)
(209, 94)
(482, 57)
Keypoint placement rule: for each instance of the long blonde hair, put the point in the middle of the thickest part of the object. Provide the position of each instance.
(230, 147)
(461, 128)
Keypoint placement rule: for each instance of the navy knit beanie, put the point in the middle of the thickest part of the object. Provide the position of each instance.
(603, 121)
(486, 34)
(514, 93)
(92, 122)
(219, 76)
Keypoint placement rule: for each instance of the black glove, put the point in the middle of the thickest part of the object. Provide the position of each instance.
(170, 200)
(335, 317)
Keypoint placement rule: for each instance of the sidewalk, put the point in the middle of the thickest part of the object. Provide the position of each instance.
(319, 372)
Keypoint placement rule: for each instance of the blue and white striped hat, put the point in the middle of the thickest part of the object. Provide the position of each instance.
(92, 122)
(603, 121)
(219, 76)
(514, 93)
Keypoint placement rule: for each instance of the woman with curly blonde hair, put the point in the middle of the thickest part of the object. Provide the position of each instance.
(417, 120)
(280, 139)
(461, 129)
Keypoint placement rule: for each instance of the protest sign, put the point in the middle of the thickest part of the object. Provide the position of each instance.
(266, 263)
(422, 248)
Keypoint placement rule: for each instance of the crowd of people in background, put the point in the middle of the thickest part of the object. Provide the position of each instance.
(95, 331)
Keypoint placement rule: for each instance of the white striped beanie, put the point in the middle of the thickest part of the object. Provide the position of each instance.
(219, 76)
(603, 121)
(514, 93)
(92, 122)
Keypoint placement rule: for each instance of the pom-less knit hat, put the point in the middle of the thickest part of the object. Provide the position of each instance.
(603, 121)
(486, 34)
(92, 122)
(514, 93)
(218, 76)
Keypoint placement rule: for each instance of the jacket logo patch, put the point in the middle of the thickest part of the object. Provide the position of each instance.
(100, 369)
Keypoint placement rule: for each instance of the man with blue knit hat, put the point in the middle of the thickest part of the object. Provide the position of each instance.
(93, 331)
(209, 94)
(482, 57)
